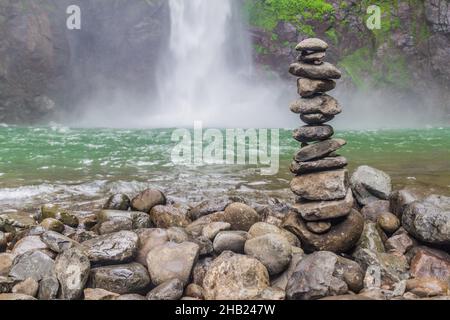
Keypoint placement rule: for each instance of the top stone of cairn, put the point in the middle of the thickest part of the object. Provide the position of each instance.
(312, 44)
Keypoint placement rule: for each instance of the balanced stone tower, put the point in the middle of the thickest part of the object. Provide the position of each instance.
(323, 216)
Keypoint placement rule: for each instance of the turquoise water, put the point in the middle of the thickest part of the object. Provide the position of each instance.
(83, 166)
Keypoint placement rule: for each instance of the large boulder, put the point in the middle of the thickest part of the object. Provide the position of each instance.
(167, 291)
(169, 216)
(172, 261)
(209, 206)
(30, 243)
(429, 220)
(230, 241)
(57, 242)
(369, 184)
(118, 201)
(342, 237)
(122, 279)
(72, 271)
(324, 274)
(430, 263)
(324, 210)
(235, 277)
(240, 216)
(149, 239)
(112, 248)
(146, 200)
(321, 186)
(273, 250)
(110, 221)
(32, 264)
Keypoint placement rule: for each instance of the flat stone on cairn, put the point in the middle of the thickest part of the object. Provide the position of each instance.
(323, 216)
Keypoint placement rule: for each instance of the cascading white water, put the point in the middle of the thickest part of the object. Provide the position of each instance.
(207, 74)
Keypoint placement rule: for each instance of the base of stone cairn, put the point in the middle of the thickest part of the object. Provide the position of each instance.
(324, 217)
(344, 238)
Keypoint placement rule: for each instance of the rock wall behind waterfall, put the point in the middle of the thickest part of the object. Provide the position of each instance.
(47, 70)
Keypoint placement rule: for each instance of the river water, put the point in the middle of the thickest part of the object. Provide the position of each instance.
(81, 167)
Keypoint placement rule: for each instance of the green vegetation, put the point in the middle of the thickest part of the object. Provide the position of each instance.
(366, 71)
(266, 14)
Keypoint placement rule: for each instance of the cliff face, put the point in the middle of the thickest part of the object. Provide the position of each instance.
(408, 56)
(45, 68)
(33, 57)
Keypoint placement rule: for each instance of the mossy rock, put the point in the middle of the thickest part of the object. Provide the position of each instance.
(56, 212)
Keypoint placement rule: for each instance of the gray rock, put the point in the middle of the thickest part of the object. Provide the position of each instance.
(230, 241)
(169, 290)
(273, 250)
(312, 44)
(308, 134)
(321, 186)
(146, 200)
(209, 206)
(57, 242)
(178, 235)
(401, 243)
(319, 72)
(399, 200)
(342, 237)
(15, 296)
(323, 104)
(29, 244)
(316, 57)
(48, 288)
(262, 229)
(171, 260)
(112, 248)
(118, 202)
(315, 119)
(99, 295)
(131, 297)
(121, 279)
(391, 268)
(324, 210)
(200, 269)
(32, 264)
(282, 280)
(211, 230)
(388, 222)
(309, 87)
(58, 213)
(374, 209)
(328, 163)
(169, 216)
(3, 242)
(51, 224)
(369, 184)
(316, 277)
(27, 287)
(111, 221)
(429, 220)
(149, 239)
(72, 270)
(319, 150)
(6, 262)
(319, 227)
(235, 277)
(240, 216)
(13, 222)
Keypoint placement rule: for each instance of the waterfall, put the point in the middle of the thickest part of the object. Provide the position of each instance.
(207, 75)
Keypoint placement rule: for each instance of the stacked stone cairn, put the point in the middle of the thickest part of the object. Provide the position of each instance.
(324, 217)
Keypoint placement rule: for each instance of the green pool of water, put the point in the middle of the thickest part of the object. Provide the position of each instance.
(84, 165)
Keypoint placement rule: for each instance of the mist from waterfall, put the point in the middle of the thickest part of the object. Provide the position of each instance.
(208, 73)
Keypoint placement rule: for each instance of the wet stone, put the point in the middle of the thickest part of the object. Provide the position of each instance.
(323, 104)
(324, 71)
(313, 133)
(329, 163)
(319, 150)
(308, 87)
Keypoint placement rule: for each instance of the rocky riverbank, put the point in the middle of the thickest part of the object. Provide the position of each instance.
(149, 247)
